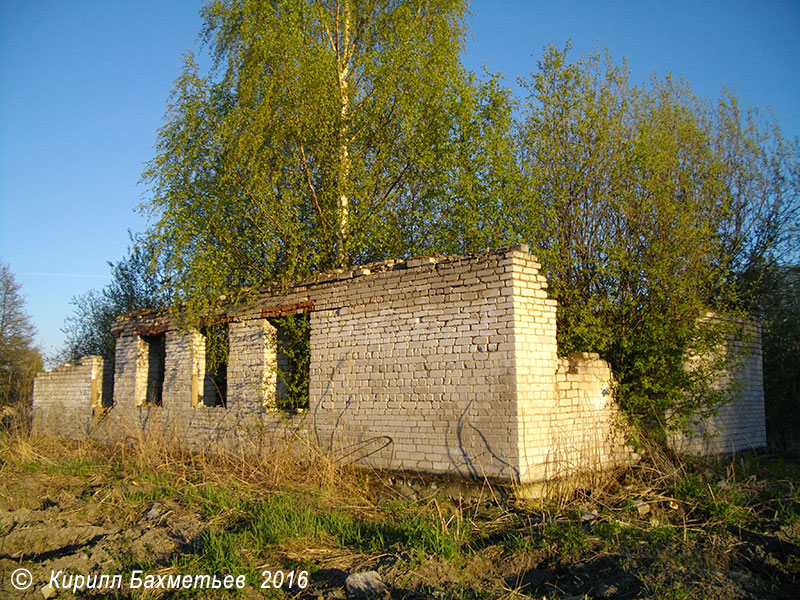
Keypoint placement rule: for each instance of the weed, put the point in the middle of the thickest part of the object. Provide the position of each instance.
(145, 496)
(33, 467)
(565, 538)
(691, 487)
(662, 537)
(518, 541)
(215, 500)
(606, 529)
(301, 511)
(673, 591)
(283, 517)
(221, 553)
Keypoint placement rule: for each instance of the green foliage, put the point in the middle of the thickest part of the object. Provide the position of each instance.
(568, 538)
(645, 206)
(215, 501)
(222, 553)
(723, 501)
(778, 298)
(497, 547)
(19, 358)
(150, 494)
(606, 529)
(217, 344)
(328, 136)
(668, 591)
(289, 517)
(413, 527)
(217, 350)
(325, 136)
(294, 358)
(780, 493)
(138, 281)
(691, 487)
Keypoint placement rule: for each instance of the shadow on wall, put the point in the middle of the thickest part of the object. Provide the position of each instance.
(438, 365)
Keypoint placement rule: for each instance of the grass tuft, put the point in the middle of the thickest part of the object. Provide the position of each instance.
(665, 528)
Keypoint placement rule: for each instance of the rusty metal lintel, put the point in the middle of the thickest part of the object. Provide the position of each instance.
(150, 329)
(282, 310)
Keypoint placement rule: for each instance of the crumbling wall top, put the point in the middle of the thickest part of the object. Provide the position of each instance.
(155, 321)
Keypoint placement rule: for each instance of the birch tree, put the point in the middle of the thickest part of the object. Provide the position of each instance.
(326, 133)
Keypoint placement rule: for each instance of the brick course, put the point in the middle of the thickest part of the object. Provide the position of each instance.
(69, 399)
(444, 365)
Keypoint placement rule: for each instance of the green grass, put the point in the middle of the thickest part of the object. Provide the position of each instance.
(673, 591)
(216, 500)
(147, 495)
(249, 525)
(74, 467)
(249, 531)
(566, 538)
(724, 500)
(293, 516)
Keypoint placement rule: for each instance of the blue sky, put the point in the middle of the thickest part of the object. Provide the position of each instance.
(84, 86)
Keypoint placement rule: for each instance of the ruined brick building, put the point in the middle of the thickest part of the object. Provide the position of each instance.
(442, 365)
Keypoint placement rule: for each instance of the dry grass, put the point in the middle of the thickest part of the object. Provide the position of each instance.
(657, 529)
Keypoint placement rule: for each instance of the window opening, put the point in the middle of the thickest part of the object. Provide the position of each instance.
(156, 363)
(215, 385)
(293, 334)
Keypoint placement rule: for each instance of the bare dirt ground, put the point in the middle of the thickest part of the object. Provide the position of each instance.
(51, 523)
(91, 515)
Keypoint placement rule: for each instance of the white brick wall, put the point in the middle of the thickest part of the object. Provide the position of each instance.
(740, 424)
(438, 365)
(68, 400)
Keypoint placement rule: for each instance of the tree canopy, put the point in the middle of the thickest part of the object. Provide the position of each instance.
(19, 357)
(333, 133)
(326, 134)
(138, 281)
(649, 208)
